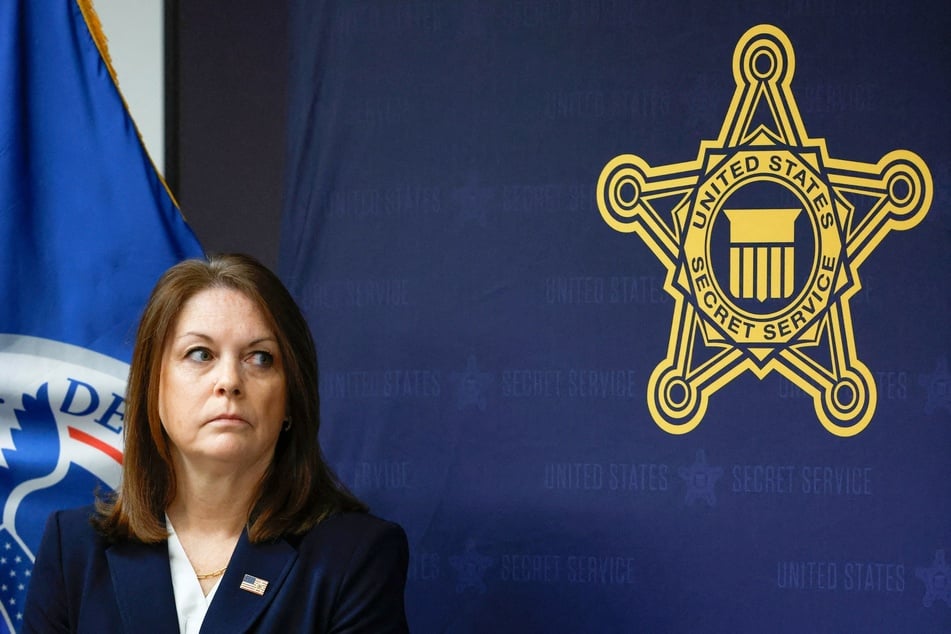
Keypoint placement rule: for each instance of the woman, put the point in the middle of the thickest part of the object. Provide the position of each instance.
(227, 518)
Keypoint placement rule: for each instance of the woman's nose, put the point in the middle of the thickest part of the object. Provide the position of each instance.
(229, 380)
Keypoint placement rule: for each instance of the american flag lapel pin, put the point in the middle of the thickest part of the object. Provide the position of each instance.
(253, 584)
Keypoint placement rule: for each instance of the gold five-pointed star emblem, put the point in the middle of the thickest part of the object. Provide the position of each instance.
(765, 236)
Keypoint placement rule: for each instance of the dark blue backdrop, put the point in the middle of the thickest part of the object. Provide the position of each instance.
(487, 340)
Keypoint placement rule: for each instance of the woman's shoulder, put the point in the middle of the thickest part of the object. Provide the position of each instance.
(357, 546)
(86, 511)
(355, 523)
(74, 525)
(354, 531)
(71, 538)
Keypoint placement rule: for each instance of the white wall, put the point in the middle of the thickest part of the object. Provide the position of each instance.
(134, 29)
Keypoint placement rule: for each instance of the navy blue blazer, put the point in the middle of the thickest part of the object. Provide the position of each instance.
(346, 575)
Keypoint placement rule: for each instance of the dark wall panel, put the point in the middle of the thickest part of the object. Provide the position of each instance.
(226, 170)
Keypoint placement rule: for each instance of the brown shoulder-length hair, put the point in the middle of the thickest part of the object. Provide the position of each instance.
(298, 489)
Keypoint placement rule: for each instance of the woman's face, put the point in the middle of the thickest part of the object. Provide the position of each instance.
(222, 394)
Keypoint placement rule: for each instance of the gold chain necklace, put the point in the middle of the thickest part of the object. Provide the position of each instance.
(211, 575)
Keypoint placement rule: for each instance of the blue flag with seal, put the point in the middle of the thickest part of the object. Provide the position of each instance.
(86, 227)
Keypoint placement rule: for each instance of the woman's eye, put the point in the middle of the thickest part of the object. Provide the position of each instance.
(199, 354)
(262, 359)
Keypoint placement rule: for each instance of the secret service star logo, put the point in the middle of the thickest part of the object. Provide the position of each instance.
(765, 237)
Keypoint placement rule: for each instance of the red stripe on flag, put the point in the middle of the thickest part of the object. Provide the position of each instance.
(92, 441)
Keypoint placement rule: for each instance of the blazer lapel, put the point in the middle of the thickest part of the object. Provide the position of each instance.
(235, 609)
(143, 586)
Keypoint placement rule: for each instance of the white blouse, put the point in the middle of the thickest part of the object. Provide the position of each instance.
(191, 603)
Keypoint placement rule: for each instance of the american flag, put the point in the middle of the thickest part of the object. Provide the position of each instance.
(15, 570)
(253, 584)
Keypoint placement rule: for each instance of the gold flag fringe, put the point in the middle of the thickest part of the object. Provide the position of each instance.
(102, 43)
(98, 36)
